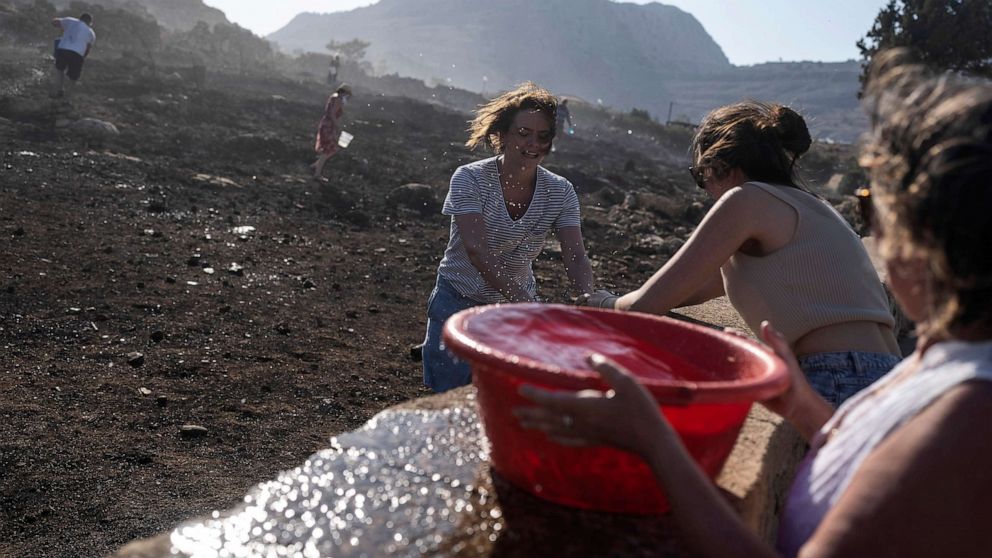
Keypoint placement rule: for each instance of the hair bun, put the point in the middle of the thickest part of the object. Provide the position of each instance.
(791, 129)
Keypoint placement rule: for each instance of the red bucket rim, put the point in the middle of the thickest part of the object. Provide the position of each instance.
(772, 382)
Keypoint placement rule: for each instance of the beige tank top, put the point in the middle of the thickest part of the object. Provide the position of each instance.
(823, 276)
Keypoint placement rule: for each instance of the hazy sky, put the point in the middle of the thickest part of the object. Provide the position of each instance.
(749, 31)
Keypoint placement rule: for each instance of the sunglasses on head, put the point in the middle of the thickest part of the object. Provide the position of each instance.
(697, 176)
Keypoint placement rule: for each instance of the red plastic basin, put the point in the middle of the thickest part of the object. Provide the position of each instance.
(703, 379)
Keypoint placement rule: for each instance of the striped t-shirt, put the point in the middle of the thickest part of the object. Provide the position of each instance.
(475, 188)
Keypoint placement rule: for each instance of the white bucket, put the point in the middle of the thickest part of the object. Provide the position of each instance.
(345, 139)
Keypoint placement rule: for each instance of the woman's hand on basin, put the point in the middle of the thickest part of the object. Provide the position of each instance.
(626, 416)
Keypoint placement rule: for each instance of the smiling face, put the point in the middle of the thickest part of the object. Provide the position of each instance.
(528, 141)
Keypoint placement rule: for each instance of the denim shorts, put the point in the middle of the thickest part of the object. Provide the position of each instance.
(838, 376)
(442, 370)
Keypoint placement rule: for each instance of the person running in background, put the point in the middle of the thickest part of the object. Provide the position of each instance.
(562, 116)
(329, 129)
(901, 469)
(73, 48)
(778, 252)
(501, 209)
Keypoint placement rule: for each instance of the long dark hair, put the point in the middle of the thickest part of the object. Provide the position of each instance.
(764, 140)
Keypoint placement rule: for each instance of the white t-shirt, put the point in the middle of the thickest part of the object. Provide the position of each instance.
(76, 35)
(475, 188)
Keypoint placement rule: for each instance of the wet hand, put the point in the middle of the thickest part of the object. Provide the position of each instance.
(599, 299)
(789, 401)
(625, 417)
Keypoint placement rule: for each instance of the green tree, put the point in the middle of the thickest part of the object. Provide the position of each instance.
(943, 34)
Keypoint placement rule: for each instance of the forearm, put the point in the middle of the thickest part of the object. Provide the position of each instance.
(636, 301)
(489, 267)
(579, 274)
(704, 516)
(668, 288)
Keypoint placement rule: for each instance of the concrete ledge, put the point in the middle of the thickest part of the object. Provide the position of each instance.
(755, 479)
(759, 471)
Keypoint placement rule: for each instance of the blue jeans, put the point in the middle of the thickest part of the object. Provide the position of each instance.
(837, 376)
(442, 370)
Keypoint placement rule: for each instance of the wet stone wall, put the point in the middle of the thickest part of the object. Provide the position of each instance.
(411, 482)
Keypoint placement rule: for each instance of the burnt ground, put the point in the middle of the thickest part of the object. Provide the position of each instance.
(131, 305)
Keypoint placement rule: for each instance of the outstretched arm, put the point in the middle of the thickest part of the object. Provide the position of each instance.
(472, 229)
(573, 254)
(728, 225)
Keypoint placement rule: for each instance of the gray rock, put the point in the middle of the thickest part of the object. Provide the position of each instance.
(192, 431)
(135, 359)
(93, 128)
(654, 244)
(655, 203)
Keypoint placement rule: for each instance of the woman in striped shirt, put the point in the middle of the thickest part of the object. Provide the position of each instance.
(501, 209)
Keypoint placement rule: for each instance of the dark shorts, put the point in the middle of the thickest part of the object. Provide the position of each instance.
(71, 60)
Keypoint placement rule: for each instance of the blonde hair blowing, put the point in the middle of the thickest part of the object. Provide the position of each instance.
(929, 155)
(494, 118)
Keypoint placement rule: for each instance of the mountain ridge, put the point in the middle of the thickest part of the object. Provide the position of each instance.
(624, 55)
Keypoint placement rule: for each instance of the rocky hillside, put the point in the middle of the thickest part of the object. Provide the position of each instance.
(625, 55)
(174, 15)
(589, 48)
(824, 92)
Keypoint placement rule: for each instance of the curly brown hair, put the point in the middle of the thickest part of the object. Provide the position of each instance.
(764, 140)
(929, 156)
(494, 118)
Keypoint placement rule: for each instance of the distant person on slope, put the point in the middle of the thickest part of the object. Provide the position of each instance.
(332, 70)
(73, 47)
(501, 209)
(778, 252)
(329, 129)
(563, 116)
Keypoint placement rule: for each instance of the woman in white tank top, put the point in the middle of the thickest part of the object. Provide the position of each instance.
(778, 252)
(904, 468)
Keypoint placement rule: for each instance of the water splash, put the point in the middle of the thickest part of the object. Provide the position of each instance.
(399, 486)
